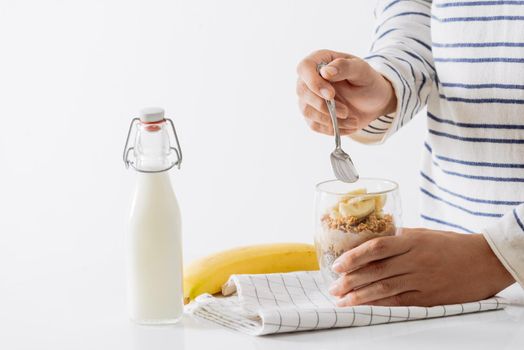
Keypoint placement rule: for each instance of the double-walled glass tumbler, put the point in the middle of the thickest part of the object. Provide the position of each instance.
(348, 214)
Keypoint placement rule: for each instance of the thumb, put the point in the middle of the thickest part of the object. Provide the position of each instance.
(354, 69)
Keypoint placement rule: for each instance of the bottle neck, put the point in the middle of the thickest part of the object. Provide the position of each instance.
(152, 147)
(154, 188)
(160, 178)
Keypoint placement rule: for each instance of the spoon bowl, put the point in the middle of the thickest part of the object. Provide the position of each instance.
(343, 166)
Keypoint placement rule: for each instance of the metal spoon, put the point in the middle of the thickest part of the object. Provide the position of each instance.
(341, 162)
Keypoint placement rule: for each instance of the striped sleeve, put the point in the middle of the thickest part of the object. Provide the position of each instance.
(401, 52)
(506, 239)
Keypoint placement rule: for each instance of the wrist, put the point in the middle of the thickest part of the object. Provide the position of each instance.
(495, 272)
(391, 98)
(385, 99)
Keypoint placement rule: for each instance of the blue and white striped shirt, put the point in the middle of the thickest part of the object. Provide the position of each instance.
(464, 60)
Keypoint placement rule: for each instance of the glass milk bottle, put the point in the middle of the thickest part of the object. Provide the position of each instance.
(154, 234)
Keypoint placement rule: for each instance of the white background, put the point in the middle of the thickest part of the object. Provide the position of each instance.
(74, 73)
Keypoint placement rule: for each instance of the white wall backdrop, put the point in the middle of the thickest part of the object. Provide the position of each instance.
(73, 73)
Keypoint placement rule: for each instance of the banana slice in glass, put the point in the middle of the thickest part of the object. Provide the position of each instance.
(353, 194)
(357, 207)
(380, 201)
(334, 213)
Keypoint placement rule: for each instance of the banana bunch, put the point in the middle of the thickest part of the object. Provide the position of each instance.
(210, 273)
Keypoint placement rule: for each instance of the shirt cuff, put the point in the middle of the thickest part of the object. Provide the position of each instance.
(506, 239)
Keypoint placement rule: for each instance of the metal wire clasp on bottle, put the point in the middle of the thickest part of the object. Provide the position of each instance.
(137, 125)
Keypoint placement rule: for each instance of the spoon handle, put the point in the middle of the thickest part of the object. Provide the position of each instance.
(332, 112)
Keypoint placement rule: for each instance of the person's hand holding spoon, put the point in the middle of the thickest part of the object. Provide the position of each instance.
(360, 92)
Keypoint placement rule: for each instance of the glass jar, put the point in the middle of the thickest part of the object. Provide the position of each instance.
(348, 214)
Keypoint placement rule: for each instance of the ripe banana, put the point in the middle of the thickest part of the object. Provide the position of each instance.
(208, 274)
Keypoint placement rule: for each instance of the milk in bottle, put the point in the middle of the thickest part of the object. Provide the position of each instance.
(154, 234)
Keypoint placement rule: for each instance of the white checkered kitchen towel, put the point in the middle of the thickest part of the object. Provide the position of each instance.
(299, 301)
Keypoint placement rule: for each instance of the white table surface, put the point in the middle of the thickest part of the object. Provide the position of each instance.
(84, 308)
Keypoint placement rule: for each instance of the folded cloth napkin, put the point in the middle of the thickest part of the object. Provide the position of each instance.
(299, 301)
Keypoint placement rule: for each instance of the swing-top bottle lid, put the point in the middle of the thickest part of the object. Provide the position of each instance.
(152, 143)
(151, 115)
